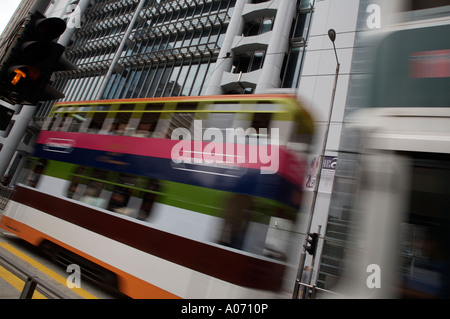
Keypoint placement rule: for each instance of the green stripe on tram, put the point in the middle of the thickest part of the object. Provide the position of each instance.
(190, 197)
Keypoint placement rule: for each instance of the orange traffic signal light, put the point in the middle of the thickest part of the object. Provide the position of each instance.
(26, 68)
(19, 74)
(23, 75)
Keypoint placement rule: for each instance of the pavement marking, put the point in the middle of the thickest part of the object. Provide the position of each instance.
(60, 279)
(17, 283)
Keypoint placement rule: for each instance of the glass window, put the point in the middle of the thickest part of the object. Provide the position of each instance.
(172, 85)
(156, 82)
(163, 82)
(182, 119)
(205, 36)
(267, 25)
(96, 122)
(114, 191)
(199, 79)
(136, 84)
(425, 250)
(120, 124)
(261, 121)
(196, 38)
(258, 60)
(208, 75)
(149, 199)
(425, 4)
(214, 35)
(187, 38)
(120, 196)
(292, 68)
(301, 25)
(77, 120)
(183, 80)
(37, 170)
(149, 78)
(147, 124)
(76, 180)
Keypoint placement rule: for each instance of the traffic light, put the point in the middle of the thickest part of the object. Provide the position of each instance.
(5, 117)
(30, 60)
(312, 240)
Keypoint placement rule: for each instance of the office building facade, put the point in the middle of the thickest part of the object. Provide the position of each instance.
(135, 49)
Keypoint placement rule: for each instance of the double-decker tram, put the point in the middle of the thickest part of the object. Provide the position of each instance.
(179, 197)
(395, 223)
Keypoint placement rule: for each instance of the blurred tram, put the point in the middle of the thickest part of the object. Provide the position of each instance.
(105, 191)
(397, 238)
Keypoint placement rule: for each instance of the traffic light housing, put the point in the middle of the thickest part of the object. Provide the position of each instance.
(31, 58)
(311, 245)
(5, 117)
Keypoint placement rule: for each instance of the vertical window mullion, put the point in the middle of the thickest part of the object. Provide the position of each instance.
(135, 82)
(187, 79)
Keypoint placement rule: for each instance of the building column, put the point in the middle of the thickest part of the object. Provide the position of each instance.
(277, 48)
(225, 59)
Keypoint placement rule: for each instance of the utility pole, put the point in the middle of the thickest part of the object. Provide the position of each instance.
(332, 36)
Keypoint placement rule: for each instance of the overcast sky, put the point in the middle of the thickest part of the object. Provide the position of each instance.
(7, 8)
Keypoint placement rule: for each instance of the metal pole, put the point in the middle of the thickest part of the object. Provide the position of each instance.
(28, 290)
(316, 186)
(119, 50)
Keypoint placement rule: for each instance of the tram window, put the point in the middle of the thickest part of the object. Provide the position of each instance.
(154, 106)
(92, 194)
(148, 200)
(237, 213)
(261, 121)
(147, 124)
(93, 189)
(59, 123)
(127, 179)
(180, 120)
(220, 120)
(94, 186)
(425, 4)
(38, 169)
(187, 106)
(119, 200)
(49, 122)
(77, 120)
(120, 125)
(122, 193)
(425, 249)
(96, 122)
(127, 107)
(98, 173)
(300, 136)
(73, 189)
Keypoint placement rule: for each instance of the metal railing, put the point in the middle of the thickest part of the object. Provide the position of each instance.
(307, 291)
(34, 281)
(5, 195)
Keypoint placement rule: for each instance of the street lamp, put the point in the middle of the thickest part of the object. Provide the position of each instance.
(332, 36)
